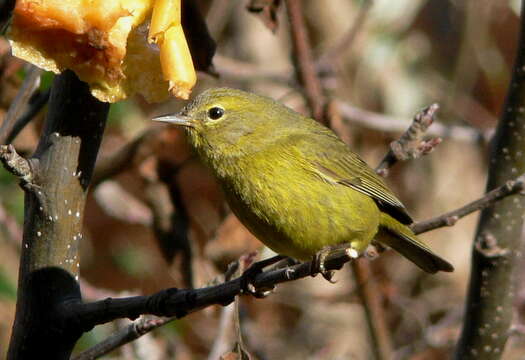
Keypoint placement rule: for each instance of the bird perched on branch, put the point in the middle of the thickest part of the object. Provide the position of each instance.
(293, 183)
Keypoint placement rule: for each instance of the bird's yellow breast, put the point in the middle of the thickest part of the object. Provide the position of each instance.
(294, 212)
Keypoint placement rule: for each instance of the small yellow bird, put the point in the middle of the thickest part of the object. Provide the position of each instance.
(292, 182)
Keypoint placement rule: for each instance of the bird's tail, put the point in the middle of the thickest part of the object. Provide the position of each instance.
(400, 238)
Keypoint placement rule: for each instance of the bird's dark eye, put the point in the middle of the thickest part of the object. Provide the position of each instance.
(215, 113)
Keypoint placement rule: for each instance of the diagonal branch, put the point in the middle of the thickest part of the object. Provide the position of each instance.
(511, 187)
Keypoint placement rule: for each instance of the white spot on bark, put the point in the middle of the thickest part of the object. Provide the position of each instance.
(38, 233)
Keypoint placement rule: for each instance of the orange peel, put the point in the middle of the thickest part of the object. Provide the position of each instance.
(105, 42)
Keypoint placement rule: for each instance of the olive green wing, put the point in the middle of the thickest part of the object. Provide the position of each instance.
(335, 163)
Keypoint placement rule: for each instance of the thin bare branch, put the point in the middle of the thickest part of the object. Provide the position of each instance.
(511, 187)
(132, 332)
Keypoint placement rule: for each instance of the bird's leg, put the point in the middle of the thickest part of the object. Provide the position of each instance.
(317, 265)
(248, 276)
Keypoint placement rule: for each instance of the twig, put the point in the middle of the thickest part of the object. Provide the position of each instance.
(230, 313)
(411, 144)
(132, 332)
(305, 64)
(511, 187)
(29, 85)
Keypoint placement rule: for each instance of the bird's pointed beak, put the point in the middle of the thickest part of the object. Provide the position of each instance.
(178, 119)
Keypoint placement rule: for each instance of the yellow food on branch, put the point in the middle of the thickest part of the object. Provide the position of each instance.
(105, 42)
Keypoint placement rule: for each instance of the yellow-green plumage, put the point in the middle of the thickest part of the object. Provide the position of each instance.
(292, 182)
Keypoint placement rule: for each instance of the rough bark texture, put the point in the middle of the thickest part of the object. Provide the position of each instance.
(498, 242)
(54, 205)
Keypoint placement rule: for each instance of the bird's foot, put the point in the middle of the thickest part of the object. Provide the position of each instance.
(318, 262)
(317, 265)
(248, 277)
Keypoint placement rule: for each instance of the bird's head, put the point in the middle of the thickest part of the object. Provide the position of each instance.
(229, 122)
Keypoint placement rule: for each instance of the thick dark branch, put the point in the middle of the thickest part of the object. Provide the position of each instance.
(499, 236)
(411, 144)
(57, 176)
(511, 187)
(181, 302)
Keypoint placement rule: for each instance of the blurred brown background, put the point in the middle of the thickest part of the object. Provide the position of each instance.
(405, 55)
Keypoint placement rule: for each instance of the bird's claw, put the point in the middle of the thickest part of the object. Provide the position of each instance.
(317, 265)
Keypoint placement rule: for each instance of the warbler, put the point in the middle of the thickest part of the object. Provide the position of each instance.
(292, 182)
